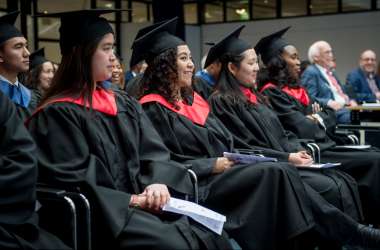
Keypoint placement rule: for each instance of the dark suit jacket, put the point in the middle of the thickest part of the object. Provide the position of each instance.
(317, 85)
(358, 82)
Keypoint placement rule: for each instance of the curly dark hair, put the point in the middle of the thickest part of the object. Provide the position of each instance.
(161, 77)
(277, 72)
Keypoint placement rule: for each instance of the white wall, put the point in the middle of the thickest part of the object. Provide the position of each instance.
(348, 34)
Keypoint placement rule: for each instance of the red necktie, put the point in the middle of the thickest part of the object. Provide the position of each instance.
(335, 83)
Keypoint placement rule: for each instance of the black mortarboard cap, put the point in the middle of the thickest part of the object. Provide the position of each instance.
(7, 28)
(158, 39)
(269, 46)
(230, 44)
(37, 58)
(81, 26)
(137, 56)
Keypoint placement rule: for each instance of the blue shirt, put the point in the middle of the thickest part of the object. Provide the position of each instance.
(18, 93)
(206, 76)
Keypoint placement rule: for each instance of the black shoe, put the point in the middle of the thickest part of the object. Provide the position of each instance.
(366, 237)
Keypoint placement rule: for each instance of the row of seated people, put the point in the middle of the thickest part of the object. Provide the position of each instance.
(130, 157)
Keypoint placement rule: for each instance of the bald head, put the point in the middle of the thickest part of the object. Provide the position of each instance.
(320, 53)
(367, 61)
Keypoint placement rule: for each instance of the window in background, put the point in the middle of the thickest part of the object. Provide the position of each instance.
(105, 4)
(323, 6)
(52, 51)
(63, 5)
(294, 8)
(139, 12)
(3, 4)
(237, 10)
(213, 12)
(48, 27)
(356, 5)
(263, 9)
(191, 13)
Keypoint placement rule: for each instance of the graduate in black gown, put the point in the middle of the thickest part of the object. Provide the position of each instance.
(252, 123)
(194, 135)
(15, 60)
(41, 72)
(102, 142)
(297, 113)
(18, 165)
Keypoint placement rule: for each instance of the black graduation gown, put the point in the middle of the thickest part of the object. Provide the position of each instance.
(18, 175)
(202, 87)
(265, 204)
(257, 125)
(133, 86)
(111, 157)
(363, 165)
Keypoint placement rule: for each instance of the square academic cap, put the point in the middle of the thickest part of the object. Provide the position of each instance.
(269, 46)
(7, 28)
(230, 44)
(137, 55)
(37, 58)
(157, 39)
(81, 26)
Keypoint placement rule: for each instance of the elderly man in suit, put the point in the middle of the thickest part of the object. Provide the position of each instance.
(363, 80)
(322, 84)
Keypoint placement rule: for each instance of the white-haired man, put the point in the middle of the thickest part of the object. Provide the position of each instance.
(322, 84)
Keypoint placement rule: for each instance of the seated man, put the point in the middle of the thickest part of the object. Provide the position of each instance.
(322, 84)
(363, 80)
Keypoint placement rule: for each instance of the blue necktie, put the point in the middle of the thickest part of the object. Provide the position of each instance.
(18, 94)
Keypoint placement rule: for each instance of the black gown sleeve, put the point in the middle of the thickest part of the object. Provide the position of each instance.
(163, 122)
(291, 117)
(243, 126)
(18, 172)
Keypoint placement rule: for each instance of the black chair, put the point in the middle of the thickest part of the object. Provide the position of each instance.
(66, 214)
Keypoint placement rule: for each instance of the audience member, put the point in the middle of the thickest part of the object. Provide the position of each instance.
(323, 84)
(364, 80)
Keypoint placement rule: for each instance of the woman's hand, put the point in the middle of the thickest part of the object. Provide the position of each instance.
(301, 158)
(153, 198)
(221, 165)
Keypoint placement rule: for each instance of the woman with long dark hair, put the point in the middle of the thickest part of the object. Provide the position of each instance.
(100, 141)
(307, 120)
(41, 72)
(196, 136)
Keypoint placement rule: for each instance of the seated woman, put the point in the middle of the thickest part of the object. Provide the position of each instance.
(102, 142)
(295, 110)
(18, 172)
(117, 78)
(253, 124)
(196, 136)
(41, 72)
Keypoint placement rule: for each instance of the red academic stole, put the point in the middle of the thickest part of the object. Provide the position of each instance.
(103, 101)
(298, 93)
(252, 98)
(197, 112)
